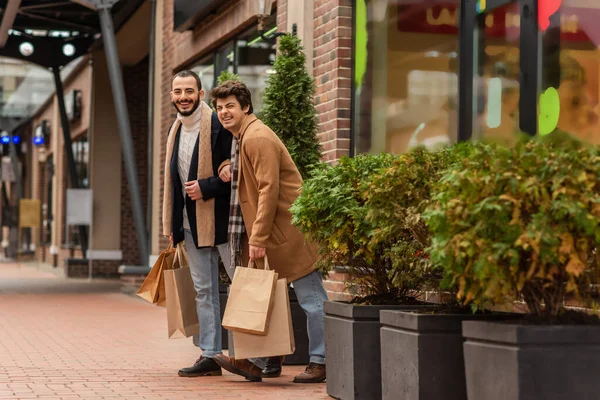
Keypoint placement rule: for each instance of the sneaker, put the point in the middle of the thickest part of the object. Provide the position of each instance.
(314, 373)
(202, 367)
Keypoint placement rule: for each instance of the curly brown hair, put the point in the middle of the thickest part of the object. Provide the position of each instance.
(233, 88)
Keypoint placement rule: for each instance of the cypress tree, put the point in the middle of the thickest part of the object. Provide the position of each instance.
(288, 105)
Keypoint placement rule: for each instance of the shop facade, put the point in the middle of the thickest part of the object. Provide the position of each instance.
(390, 75)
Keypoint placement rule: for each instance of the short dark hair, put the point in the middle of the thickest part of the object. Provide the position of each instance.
(233, 88)
(185, 74)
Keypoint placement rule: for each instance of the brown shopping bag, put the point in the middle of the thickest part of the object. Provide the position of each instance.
(153, 288)
(171, 262)
(250, 300)
(182, 319)
(279, 340)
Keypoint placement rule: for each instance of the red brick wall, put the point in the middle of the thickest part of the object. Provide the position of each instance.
(332, 72)
(282, 15)
(167, 111)
(136, 90)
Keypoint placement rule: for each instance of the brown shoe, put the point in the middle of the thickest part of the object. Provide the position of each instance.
(314, 373)
(239, 367)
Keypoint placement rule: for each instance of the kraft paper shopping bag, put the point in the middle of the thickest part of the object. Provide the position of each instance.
(280, 338)
(250, 300)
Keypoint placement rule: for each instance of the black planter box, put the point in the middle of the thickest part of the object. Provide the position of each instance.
(352, 347)
(223, 294)
(513, 362)
(422, 355)
(300, 356)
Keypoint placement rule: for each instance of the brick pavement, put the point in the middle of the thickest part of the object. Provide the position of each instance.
(74, 339)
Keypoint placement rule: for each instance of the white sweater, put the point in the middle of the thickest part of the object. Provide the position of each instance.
(190, 129)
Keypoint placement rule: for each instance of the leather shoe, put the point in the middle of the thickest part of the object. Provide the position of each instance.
(314, 373)
(202, 367)
(239, 367)
(273, 367)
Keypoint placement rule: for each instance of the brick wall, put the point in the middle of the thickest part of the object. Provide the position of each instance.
(136, 90)
(332, 65)
(332, 71)
(282, 15)
(167, 111)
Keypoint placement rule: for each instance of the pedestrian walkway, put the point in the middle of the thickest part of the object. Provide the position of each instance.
(74, 339)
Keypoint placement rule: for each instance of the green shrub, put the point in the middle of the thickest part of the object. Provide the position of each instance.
(365, 215)
(520, 223)
(331, 211)
(396, 198)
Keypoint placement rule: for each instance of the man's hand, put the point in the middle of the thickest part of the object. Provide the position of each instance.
(257, 252)
(171, 238)
(225, 173)
(192, 188)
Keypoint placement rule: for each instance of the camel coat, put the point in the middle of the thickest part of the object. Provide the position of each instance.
(269, 182)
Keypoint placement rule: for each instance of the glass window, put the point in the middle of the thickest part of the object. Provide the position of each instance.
(496, 116)
(81, 155)
(205, 69)
(570, 78)
(249, 56)
(254, 61)
(406, 74)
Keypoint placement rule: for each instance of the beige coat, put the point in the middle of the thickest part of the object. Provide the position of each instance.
(269, 182)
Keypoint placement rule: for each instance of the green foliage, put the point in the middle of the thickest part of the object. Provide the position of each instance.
(365, 214)
(395, 201)
(288, 107)
(227, 76)
(520, 223)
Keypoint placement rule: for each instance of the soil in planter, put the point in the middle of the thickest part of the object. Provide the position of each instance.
(450, 309)
(386, 299)
(566, 317)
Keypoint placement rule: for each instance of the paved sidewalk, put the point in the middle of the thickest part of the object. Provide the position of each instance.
(74, 339)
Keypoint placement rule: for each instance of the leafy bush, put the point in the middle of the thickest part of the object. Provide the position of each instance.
(396, 199)
(520, 223)
(365, 214)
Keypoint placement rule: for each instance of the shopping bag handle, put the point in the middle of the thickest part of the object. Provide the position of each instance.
(252, 264)
(180, 255)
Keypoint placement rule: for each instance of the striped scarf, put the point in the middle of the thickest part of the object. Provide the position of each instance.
(236, 222)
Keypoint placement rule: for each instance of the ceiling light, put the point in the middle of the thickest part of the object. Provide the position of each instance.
(26, 49)
(68, 50)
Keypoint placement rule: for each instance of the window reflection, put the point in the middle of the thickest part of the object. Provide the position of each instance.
(571, 65)
(406, 74)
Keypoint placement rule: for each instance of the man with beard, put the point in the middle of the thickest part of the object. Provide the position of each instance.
(196, 206)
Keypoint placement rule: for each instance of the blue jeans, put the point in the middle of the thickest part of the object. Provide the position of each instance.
(204, 267)
(311, 295)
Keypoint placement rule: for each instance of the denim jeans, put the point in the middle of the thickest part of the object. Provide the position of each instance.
(204, 267)
(311, 295)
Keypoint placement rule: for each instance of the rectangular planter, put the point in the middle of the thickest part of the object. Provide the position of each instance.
(223, 294)
(513, 362)
(300, 356)
(422, 355)
(352, 350)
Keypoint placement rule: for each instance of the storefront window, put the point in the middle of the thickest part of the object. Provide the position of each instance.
(206, 71)
(496, 116)
(405, 74)
(249, 56)
(81, 155)
(254, 63)
(570, 88)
